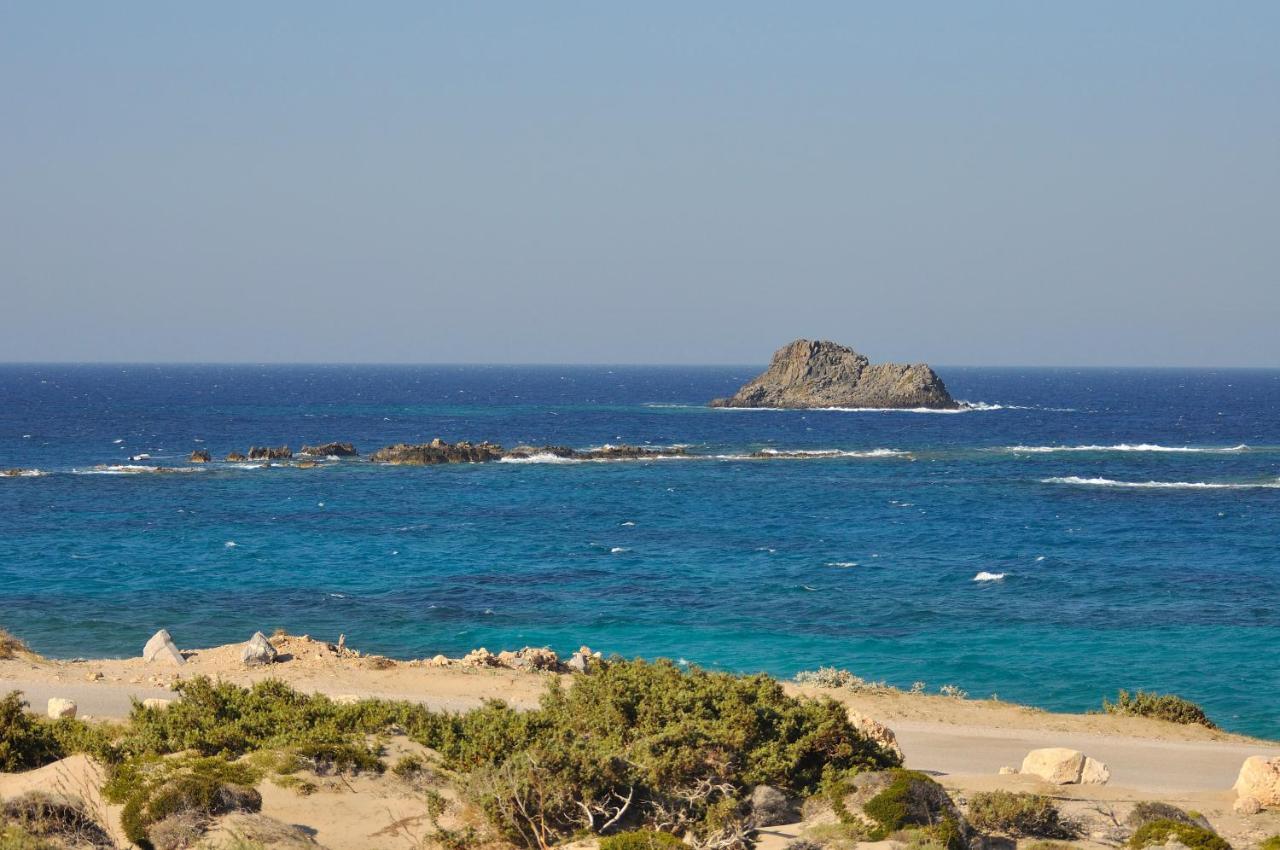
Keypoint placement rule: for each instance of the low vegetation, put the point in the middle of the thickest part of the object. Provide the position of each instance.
(12, 646)
(1168, 707)
(914, 802)
(642, 839)
(1159, 832)
(1272, 843)
(1018, 815)
(37, 821)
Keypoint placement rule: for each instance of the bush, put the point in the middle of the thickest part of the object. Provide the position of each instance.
(153, 790)
(912, 799)
(25, 742)
(1018, 815)
(1272, 843)
(640, 743)
(1149, 811)
(29, 820)
(12, 647)
(642, 839)
(1159, 832)
(1168, 707)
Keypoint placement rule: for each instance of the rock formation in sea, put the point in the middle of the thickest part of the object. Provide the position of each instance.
(817, 373)
(200, 456)
(263, 453)
(330, 450)
(236, 457)
(438, 451)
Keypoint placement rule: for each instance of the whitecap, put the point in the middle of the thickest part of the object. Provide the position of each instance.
(540, 457)
(842, 564)
(986, 576)
(807, 453)
(1039, 558)
(1128, 447)
(628, 524)
(1162, 485)
(118, 442)
(230, 544)
(618, 550)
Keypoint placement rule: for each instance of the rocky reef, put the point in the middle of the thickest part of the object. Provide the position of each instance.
(200, 456)
(438, 451)
(817, 373)
(264, 453)
(330, 450)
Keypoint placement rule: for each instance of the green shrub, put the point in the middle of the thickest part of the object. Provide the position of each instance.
(17, 838)
(25, 742)
(409, 766)
(1272, 843)
(1159, 832)
(642, 839)
(153, 789)
(1148, 811)
(1168, 707)
(913, 799)
(645, 743)
(1018, 815)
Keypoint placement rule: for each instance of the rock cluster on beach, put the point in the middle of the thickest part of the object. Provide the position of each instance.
(816, 373)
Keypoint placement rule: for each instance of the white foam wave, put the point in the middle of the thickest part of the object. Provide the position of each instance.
(803, 453)
(1162, 485)
(540, 457)
(230, 544)
(842, 564)
(618, 550)
(986, 576)
(136, 469)
(1128, 447)
(24, 473)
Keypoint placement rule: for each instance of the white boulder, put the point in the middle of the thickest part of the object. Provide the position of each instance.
(157, 703)
(1260, 779)
(162, 648)
(1063, 766)
(61, 708)
(258, 651)
(876, 731)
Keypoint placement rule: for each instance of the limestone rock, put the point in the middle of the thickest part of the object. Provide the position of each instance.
(157, 703)
(236, 457)
(1063, 766)
(440, 661)
(1260, 778)
(200, 456)
(876, 731)
(1247, 806)
(1006, 770)
(258, 651)
(330, 450)
(162, 648)
(61, 708)
(1094, 772)
(809, 373)
(480, 658)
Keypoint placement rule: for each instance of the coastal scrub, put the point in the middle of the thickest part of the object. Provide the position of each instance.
(1168, 707)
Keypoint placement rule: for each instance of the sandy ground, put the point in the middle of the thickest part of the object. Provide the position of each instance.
(964, 742)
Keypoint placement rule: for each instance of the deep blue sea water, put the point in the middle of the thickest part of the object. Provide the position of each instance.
(1122, 566)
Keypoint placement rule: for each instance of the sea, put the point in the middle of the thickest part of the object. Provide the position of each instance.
(1071, 532)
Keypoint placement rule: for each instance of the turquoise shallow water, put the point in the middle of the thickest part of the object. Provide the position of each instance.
(1132, 514)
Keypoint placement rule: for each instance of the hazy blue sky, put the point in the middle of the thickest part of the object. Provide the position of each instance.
(964, 183)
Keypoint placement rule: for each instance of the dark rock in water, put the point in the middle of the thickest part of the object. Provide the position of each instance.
(438, 451)
(236, 457)
(330, 449)
(200, 456)
(262, 453)
(823, 374)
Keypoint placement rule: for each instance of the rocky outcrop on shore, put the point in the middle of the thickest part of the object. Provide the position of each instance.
(330, 450)
(817, 373)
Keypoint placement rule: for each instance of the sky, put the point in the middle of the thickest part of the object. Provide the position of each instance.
(980, 183)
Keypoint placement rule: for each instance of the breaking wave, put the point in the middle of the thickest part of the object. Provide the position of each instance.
(1162, 485)
(803, 453)
(986, 576)
(1128, 447)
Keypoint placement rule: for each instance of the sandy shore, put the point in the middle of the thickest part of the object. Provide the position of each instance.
(963, 742)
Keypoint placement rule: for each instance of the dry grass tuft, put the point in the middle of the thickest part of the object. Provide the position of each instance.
(11, 646)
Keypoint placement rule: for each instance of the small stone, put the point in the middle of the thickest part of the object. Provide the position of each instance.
(92, 677)
(61, 708)
(1247, 806)
(258, 651)
(577, 663)
(440, 661)
(162, 648)
(156, 703)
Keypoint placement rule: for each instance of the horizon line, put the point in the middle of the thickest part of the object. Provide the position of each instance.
(600, 364)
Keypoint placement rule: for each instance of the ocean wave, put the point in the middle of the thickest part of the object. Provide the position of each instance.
(1128, 447)
(803, 453)
(136, 469)
(842, 564)
(986, 576)
(1162, 485)
(540, 457)
(22, 473)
